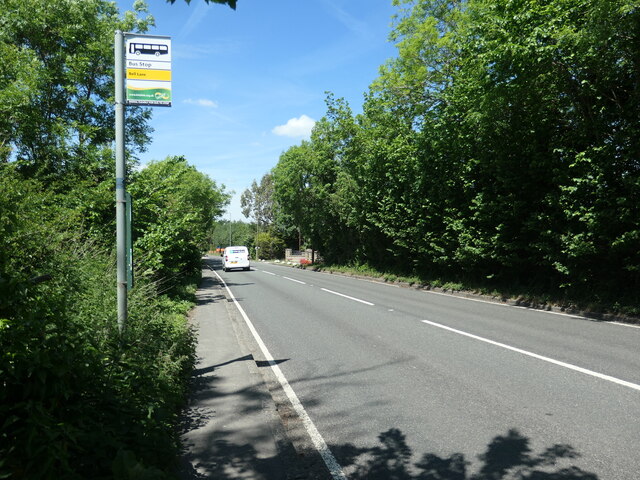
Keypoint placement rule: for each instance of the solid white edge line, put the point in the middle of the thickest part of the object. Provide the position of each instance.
(620, 324)
(504, 304)
(294, 280)
(330, 461)
(539, 357)
(347, 296)
(562, 314)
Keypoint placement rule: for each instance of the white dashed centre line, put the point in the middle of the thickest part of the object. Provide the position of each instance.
(294, 280)
(347, 296)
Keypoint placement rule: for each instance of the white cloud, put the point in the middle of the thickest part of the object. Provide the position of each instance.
(196, 17)
(352, 23)
(203, 102)
(295, 127)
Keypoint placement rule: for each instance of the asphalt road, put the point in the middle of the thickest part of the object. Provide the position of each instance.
(401, 382)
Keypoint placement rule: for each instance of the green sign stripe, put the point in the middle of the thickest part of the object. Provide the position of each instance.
(156, 94)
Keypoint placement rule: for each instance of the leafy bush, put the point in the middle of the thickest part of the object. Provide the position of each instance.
(174, 207)
(270, 246)
(76, 399)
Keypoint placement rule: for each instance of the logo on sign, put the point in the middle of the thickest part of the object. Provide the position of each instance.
(148, 49)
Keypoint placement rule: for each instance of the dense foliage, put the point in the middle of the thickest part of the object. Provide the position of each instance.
(56, 86)
(77, 399)
(272, 227)
(174, 207)
(501, 145)
(225, 233)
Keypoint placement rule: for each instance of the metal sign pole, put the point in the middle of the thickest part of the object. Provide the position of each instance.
(121, 220)
(129, 241)
(148, 76)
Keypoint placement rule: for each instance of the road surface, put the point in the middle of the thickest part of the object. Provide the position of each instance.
(405, 382)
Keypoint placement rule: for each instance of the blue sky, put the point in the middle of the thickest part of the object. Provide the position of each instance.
(247, 84)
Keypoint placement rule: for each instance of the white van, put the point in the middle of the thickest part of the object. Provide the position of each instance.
(235, 257)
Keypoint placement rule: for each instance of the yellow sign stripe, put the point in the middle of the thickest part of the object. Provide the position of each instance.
(144, 74)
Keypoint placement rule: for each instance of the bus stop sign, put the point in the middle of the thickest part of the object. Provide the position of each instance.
(148, 70)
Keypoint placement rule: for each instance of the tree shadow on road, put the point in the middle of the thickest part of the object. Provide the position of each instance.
(507, 457)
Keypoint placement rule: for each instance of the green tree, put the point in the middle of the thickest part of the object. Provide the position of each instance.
(225, 233)
(174, 207)
(77, 399)
(257, 202)
(546, 92)
(501, 145)
(269, 245)
(313, 186)
(56, 90)
(291, 189)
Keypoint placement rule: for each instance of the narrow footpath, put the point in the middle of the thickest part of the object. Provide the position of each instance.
(232, 428)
